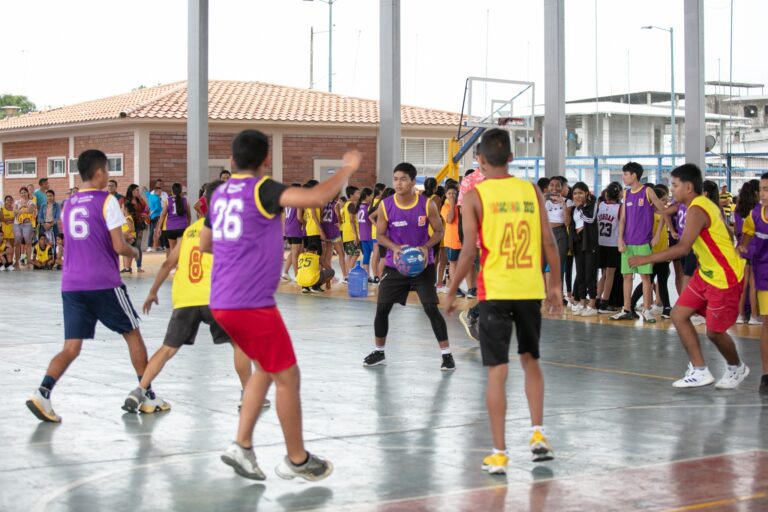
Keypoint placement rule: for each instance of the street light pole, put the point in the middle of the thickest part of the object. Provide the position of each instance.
(330, 41)
(671, 31)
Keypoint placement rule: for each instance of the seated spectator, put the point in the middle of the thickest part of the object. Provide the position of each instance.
(129, 232)
(59, 251)
(6, 253)
(310, 276)
(42, 256)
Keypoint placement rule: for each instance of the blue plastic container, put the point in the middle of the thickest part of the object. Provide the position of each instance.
(357, 281)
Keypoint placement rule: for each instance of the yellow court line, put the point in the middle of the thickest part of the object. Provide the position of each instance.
(718, 503)
(608, 370)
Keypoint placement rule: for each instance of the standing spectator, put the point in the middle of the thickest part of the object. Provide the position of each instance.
(224, 175)
(201, 205)
(157, 200)
(49, 216)
(6, 219)
(39, 195)
(585, 249)
(451, 242)
(608, 239)
(726, 203)
(139, 212)
(112, 189)
(25, 212)
(559, 217)
(60, 251)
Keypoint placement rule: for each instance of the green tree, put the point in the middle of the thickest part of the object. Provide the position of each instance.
(16, 100)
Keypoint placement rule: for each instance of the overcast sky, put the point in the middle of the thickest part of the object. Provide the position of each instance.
(60, 53)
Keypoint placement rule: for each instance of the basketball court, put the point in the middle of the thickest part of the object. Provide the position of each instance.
(402, 437)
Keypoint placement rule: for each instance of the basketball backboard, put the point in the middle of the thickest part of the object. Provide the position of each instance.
(498, 103)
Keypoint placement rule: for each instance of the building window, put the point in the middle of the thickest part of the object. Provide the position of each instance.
(427, 155)
(750, 111)
(115, 165)
(21, 168)
(57, 167)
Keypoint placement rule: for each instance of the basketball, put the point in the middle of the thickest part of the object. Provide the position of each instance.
(411, 262)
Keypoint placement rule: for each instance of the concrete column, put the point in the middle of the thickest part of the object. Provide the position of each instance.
(554, 87)
(2, 176)
(694, 82)
(71, 172)
(277, 156)
(389, 89)
(197, 95)
(141, 157)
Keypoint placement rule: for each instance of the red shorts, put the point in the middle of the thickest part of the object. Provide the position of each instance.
(719, 306)
(261, 334)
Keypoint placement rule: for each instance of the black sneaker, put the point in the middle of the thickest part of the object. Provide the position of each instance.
(764, 385)
(623, 315)
(375, 358)
(470, 325)
(376, 280)
(448, 364)
(306, 290)
(472, 293)
(460, 293)
(666, 313)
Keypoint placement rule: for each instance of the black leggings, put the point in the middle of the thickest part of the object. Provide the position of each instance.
(660, 272)
(137, 244)
(381, 322)
(561, 238)
(586, 275)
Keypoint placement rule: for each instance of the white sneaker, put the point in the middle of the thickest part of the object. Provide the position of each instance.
(755, 320)
(656, 309)
(10, 269)
(733, 377)
(698, 320)
(741, 320)
(648, 317)
(576, 309)
(153, 403)
(588, 311)
(694, 378)
(243, 462)
(41, 407)
(442, 289)
(285, 277)
(149, 249)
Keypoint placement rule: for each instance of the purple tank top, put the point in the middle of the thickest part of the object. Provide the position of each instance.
(407, 226)
(680, 219)
(364, 223)
(738, 231)
(759, 248)
(176, 219)
(91, 262)
(293, 228)
(329, 221)
(247, 247)
(638, 229)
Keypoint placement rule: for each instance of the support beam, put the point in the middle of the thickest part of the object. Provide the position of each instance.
(554, 87)
(389, 89)
(197, 96)
(694, 82)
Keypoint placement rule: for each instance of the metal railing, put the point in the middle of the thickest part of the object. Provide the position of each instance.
(732, 169)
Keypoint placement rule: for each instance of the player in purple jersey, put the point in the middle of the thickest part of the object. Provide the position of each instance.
(293, 229)
(329, 223)
(403, 222)
(91, 288)
(244, 233)
(175, 216)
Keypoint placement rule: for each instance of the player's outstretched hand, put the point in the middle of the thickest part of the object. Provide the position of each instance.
(352, 159)
(555, 302)
(151, 298)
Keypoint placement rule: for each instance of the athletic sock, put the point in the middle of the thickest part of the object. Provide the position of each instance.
(378, 348)
(733, 368)
(496, 451)
(445, 351)
(700, 368)
(47, 386)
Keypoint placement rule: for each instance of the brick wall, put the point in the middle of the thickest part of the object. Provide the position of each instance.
(110, 143)
(300, 152)
(41, 150)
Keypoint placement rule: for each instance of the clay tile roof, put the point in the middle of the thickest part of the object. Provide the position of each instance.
(231, 101)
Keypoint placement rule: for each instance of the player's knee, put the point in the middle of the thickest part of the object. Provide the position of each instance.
(71, 350)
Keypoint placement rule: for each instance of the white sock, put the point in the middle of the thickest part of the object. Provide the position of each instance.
(496, 451)
(539, 428)
(378, 348)
(445, 351)
(733, 368)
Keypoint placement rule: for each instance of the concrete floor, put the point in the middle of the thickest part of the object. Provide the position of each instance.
(402, 437)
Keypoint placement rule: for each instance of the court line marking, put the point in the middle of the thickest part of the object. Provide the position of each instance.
(608, 370)
(717, 503)
(361, 506)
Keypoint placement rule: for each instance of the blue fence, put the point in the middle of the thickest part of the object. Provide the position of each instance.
(732, 169)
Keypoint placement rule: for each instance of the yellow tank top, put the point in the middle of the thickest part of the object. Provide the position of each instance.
(192, 281)
(7, 228)
(27, 217)
(311, 227)
(347, 227)
(663, 243)
(510, 241)
(719, 265)
(42, 255)
(375, 207)
(309, 269)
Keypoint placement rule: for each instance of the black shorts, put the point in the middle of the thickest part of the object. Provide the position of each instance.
(609, 257)
(382, 251)
(112, 307)
(295, 240)
(173, 234)
(690, 264)
(351, 249)
(184, 323)
(497, 319)
(394, 286)
(314, 244)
